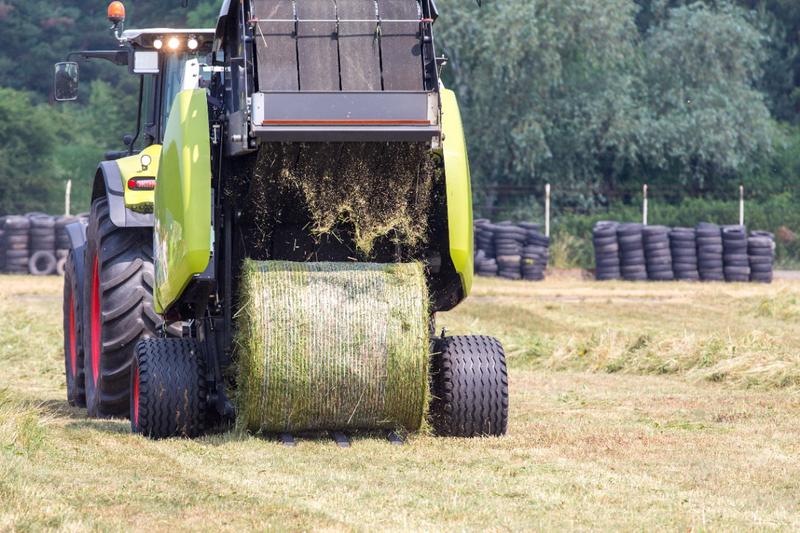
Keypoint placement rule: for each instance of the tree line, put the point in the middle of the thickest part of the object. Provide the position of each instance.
(594, 97)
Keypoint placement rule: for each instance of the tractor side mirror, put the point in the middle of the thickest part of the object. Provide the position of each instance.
(66, 82)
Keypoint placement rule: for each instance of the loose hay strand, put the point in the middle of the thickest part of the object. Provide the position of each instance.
(332, 346)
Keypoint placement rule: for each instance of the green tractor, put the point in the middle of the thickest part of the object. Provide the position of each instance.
(151, 293)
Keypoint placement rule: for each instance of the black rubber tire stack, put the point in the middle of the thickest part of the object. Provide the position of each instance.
(735, 260)
(657, 253)
(535, 253)
(761, 254)
(508, 241)
(42, 260)
(168, 389)
(62, 238)
(484, 241)
(469, 387)
(2, 244)
(709, 252)
(17, 241)
(683, 245)
(631, 248)
(606, 251)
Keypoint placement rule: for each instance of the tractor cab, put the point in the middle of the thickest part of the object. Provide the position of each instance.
(167, 60)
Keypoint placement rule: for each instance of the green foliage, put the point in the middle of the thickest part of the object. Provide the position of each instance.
(27, 142)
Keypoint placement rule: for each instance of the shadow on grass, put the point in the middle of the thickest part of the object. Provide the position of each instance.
(116, 426)
(56, 409)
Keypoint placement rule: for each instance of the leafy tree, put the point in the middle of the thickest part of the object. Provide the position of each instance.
(26, 149)
(705, 118)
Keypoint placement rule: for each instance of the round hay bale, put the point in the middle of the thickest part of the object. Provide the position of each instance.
(332, 346)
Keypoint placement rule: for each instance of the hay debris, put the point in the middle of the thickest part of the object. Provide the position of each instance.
(332, 346)
(378, 189)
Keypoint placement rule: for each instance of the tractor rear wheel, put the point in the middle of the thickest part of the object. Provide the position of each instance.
(168, 389)
(118, 308)
(73, 333)
(469, 385)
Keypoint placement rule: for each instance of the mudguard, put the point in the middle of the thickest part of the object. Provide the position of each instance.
(459, 190)
(127, 208)
(182, 236)
(77, 240)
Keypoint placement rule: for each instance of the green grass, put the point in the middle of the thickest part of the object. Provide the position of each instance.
(617, 422)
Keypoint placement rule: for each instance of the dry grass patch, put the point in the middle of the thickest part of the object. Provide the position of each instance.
(585, 451)
(741, 334)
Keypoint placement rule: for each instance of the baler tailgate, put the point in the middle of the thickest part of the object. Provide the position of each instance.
(359, 71)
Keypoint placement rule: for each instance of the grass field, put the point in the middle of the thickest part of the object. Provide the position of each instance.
(633, 407)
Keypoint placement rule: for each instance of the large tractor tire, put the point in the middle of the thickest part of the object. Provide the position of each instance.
(73, 333)
(168, 389)
(469, 385)
(118, 309)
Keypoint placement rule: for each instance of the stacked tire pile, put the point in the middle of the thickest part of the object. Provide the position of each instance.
(633, 264)
(508, 242)
(657, 252)
(535, 252)
(35, 243)
(606, 246)
(511, 251)
(485, 262)
(708, 253)
(683, 247)
(16, 243)
(42, 261)
(62, 241)
(736, 263)
(761, 255)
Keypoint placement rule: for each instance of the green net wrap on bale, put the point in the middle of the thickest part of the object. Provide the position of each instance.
(332, 346)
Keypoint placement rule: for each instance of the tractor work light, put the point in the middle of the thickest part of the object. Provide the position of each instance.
(158, 44)
(192, 44)
(173, 43)
(145, 160)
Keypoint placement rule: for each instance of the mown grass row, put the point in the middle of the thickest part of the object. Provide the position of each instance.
(731, 334)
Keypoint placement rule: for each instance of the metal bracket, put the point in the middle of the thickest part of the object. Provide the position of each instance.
(341, 439)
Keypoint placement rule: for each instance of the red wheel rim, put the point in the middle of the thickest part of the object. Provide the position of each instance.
(95, 325)
(136, 396)
(73, 348)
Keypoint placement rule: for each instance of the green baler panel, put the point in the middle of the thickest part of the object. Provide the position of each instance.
(459, 190)
(183, 199)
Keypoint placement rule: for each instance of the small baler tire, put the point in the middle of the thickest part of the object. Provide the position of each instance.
(168, 389)
(469, 385)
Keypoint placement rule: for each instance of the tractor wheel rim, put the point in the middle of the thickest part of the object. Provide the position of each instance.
(136, 396)
(73, 348)
(95, 325)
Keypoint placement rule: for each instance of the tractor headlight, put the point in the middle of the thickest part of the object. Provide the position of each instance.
(173, 43)
(192, 44)
(158, 44)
